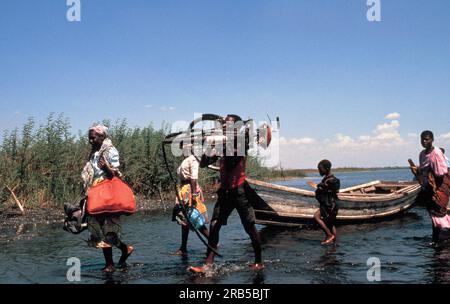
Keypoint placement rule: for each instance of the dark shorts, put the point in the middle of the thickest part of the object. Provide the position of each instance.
(228, 200)
(328, 215)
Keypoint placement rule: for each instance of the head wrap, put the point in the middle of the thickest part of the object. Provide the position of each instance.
(99, 129)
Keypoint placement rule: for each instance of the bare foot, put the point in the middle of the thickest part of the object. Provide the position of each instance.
(257, 266)
(102, 245)
(109, 269)
(199, 269)
(180, 253)
(123, 258)
(329, 240)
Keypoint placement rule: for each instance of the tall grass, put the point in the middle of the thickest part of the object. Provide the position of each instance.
(42, 164)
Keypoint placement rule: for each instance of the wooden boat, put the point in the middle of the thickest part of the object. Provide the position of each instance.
(293, 207)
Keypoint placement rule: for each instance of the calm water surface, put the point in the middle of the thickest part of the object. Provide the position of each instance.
(40, 254)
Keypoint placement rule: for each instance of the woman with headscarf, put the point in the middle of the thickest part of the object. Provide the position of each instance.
(103, 165)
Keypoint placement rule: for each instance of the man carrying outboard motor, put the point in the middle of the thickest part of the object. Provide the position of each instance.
(234, 192)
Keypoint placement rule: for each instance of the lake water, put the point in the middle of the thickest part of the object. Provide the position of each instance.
(291, 256)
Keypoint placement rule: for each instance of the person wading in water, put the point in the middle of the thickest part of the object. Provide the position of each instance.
(233, 194)
(433, 176)
(102, 166)
(192, 197)
(326, 195)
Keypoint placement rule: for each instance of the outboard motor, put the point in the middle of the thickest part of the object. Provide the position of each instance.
(75, 221)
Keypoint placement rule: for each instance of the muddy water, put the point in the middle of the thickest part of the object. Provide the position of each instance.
(39, 253)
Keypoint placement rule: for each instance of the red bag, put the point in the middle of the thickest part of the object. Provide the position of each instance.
(111, 196)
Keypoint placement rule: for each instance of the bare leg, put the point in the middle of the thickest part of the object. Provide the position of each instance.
(334, 231)
(204, 231)
(109, 264)
(331, 227)
(184, 239)
(322, 224)
(213, 240)
(256, 241)
(206, 218)
(126, 252)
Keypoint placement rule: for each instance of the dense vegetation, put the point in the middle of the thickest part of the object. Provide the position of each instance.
(42, 164)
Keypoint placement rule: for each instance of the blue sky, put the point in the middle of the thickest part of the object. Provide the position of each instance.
(320, 66)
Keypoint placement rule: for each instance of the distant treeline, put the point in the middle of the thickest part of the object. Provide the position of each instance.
(357, 169)
(256, 170)
(42, 164)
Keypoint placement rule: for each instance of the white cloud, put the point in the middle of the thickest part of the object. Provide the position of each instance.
(148, 106)
(384, 147)
(393, 115)
(167, 108)
(296, 141)
(445, 136)
(364, 137)
(388, 127)
(342, 140)
(413, 135)
(385, 134)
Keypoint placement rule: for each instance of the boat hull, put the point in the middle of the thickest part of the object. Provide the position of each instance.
(285, 206)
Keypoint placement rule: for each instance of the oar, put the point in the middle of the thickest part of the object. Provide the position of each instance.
(415, 171)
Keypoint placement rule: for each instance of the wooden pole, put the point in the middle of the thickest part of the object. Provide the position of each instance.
(415, 171)
(16, 200)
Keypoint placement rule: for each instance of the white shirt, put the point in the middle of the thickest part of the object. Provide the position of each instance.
(189, 168)
(111, 156)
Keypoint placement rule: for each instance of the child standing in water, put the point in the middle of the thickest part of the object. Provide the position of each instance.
(326, 195)
(192, 197)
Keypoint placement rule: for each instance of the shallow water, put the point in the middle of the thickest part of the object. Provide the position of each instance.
(291, 256)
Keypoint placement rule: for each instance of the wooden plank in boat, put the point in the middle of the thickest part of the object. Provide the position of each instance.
(358, 187)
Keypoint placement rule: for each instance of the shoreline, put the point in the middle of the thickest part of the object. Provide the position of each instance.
(12, 221)
(308, 172)
(281, 179)
(350, 170)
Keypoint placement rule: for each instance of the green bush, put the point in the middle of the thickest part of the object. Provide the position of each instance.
(43, 164)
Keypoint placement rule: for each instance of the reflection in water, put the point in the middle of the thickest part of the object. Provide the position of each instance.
(440, 263)
(327, 266)
(38, 254)
(109, 279)
(259, 277)
(328, 257)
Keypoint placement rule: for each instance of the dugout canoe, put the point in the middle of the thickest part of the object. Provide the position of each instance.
(278, 205)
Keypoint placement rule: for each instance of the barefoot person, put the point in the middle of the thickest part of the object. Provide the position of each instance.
(103, 165)
(233, 194)
(192, 197)
(326, 194)
(435, 182)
